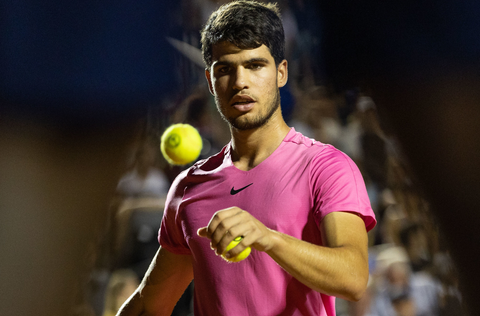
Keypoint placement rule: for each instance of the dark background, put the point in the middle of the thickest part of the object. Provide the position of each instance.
(74, 76)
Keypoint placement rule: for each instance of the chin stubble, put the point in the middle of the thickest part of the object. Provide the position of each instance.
(257, 121)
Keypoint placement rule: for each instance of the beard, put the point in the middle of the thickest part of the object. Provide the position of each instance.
(243, 123)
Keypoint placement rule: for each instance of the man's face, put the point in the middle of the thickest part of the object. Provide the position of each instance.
(245, 84)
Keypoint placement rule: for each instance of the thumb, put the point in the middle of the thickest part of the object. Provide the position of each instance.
(202, 232)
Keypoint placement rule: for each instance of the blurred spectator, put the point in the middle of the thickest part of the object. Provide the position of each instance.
(290, 26)
(372, 142)
(315, 114)
(406, 279)
(121, 285)
(305, 57)
(399, 291)
(450, 297)
(414, 239)
(144, 179)
(137, 211)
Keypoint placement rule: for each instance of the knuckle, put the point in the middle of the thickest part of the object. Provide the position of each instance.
(222, 226)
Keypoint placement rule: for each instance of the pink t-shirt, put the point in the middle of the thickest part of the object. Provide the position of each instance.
(291, 191)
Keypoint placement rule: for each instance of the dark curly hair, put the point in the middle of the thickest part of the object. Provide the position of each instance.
(246, 24)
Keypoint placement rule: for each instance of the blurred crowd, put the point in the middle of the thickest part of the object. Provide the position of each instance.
(410, 270)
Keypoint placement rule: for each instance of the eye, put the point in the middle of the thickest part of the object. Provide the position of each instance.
(223, 70)
(255, 66)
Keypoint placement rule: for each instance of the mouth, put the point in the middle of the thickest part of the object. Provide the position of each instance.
(242, 103)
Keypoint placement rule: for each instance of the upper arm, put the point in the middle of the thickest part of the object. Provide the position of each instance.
(165, 281)
(338, 187)
(344, 229)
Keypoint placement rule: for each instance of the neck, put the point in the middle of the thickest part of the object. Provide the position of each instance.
(251, 147)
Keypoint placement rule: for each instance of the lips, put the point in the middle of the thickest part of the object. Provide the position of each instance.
(242, 103)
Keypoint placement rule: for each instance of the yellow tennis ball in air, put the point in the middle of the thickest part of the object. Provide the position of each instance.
(242, 255)
(181, 144)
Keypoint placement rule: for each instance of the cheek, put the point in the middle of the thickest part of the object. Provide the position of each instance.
(268, 88)
(220, 86)
(267, 82)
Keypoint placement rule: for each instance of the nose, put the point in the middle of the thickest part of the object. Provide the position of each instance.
(240, 81)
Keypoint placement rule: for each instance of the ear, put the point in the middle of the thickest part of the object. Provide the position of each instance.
(209, 80)
(282, 73)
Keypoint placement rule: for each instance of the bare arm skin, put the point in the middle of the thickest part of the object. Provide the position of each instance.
(164, 283)
(340, 268)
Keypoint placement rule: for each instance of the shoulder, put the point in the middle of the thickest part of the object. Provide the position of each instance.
(200, 172)
(313, 150)
(201, 169)
(300, 149)
(334, 158)
(303, 142)
(331, 164)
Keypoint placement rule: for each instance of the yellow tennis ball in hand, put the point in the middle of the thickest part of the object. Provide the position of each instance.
(242, 255)
(181, 144)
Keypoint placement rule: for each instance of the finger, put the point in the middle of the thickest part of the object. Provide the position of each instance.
(221, 224)
(202, 232)
(241, 229)
(255, 235)
(220, 240)
(219, 217)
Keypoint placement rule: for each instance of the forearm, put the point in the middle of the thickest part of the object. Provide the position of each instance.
(133, 306)
(151, 301)
(164, 283)
(341, 271)
(339, 268)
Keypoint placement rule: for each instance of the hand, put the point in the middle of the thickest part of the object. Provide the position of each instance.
(232, 222)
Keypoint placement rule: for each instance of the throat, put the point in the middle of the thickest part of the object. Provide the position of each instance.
(250, 147)
(248, 163)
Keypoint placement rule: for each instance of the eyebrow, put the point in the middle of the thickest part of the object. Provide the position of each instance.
(249, 61)
(256, 60)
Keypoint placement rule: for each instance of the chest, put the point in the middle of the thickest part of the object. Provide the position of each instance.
(280, 199)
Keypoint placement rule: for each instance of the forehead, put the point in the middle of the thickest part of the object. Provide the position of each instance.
(228, 52)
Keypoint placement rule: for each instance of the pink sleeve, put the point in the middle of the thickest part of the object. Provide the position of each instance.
(171, 235)
(338, 186)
